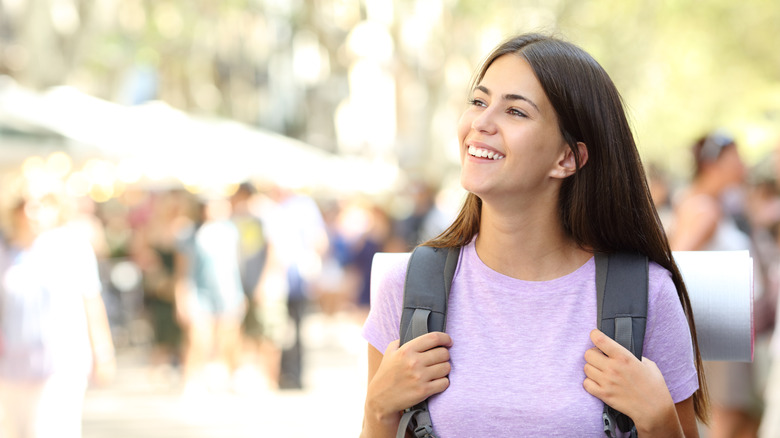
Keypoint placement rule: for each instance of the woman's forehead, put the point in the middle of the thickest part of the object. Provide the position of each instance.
(512, 75)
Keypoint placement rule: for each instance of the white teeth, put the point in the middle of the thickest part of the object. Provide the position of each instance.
(484, 153)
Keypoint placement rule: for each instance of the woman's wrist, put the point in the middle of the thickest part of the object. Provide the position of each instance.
(379, 422)
(377, 415)
(103, 353)
(661, 423)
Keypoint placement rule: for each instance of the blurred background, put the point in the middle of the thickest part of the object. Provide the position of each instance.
(335, 118)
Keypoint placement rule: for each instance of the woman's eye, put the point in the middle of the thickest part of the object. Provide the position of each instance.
(516, 112)
(477, 102)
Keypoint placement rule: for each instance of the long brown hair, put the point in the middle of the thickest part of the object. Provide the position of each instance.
(605, 206)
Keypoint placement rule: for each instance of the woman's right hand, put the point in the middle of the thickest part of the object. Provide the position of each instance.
(408, 375)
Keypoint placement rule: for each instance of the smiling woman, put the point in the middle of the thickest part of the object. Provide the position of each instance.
(554, 178)
(504, 119)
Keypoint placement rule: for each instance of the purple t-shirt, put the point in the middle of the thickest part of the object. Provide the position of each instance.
(517, 354)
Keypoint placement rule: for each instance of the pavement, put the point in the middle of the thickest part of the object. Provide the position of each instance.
(149, 402)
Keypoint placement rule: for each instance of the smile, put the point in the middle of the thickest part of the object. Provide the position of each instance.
(484, 153)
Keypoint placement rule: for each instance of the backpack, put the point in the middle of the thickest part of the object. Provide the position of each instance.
(621, 285)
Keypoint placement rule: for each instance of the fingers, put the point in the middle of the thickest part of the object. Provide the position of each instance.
(438, 385)
(604, 343)
(601, 364)
(596, 358)
(607, 356)
(429, 341)
(431, 352)
(593, 372)
(434, 356)
(415, 370)
(436, 379)
(593, 388)
(439, 370)
(609, 346)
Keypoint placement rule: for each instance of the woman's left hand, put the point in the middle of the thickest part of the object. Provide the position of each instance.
(104, 370)
(635, 388)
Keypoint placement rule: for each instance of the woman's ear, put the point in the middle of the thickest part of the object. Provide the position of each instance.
(568, 164)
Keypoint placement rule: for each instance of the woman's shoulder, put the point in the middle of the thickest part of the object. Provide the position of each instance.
(665, 310)
(70, 240)
(657, 272)
(660, 282)
(698, 204)
(668, 339)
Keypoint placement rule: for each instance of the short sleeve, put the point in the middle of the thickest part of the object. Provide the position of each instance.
(80, 265)
(668, 338)
(88, 265)
(383, 323)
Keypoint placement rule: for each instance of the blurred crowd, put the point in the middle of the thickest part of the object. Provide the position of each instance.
(726, 206)
(215, 286)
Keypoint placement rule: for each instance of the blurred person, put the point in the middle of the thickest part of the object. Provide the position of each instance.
(153, 248)
(660, 190)
(335, 287)
(258, 328)
(54, 331)
(425, 221)
(705, 221)
(299, 241)
(209, 298)
(253, 251)
(763, 212)
(117, 230)
(373, 239)
(85, 219)
(770, 421)
(357, 230)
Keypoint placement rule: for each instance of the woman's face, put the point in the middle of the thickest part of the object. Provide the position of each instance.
(45, 213)
(730, 166)
(510, 143)
(37, 215)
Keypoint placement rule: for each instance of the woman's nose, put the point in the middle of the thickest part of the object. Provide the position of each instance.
(484, 121)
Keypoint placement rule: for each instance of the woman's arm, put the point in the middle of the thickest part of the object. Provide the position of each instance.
(636, 389)
(687, 417)
(104, 362)
(181, 289)
(403, 377)
(376, 425)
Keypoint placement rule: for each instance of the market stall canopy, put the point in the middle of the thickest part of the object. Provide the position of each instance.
(160, 143)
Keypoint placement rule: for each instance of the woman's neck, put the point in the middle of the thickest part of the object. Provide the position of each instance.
(529, 244)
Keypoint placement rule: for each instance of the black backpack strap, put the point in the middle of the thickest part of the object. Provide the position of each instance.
(621, 287)
(426, 291)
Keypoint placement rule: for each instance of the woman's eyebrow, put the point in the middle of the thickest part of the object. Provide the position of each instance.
(485, 90)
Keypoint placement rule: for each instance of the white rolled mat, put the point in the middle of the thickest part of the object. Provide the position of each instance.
(720, 286)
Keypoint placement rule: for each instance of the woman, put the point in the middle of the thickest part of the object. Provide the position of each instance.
(704, 222)
(209, 297)
(54, 332)
(553, 176)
